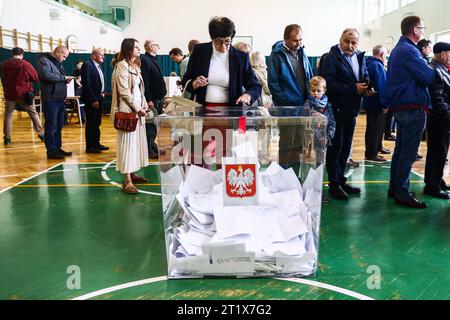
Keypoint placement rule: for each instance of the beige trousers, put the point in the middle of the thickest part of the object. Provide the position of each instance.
(30, 109)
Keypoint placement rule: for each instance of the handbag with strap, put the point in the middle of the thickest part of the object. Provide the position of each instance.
(124, 121)
(178, 105)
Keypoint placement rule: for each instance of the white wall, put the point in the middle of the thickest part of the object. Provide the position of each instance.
(34, 16)
(173, 26)
(435, 13)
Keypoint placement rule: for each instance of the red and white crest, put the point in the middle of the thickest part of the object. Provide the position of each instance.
(240, 180)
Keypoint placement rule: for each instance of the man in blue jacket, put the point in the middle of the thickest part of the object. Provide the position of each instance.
(376, 106)
(93, 93)
(289, 70)
(438, 126)
(344, 69)
(288, 78)
(53, 79)
(408, 77)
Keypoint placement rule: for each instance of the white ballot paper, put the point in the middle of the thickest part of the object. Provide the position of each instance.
(245, 144)
(200, 181)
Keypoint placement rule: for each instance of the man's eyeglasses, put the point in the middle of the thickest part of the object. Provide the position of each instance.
(221, 42)
(422, 28)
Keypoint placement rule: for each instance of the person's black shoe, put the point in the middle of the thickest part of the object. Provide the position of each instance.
(352, 164)
(391, 194)
(153, 156)
(102, 147)
(349, 189)
(411, 202)
(436, 193)
(338, 193)
(390, 138)
(384, 151)
(65, 153)
(58, 156)
(93, 150)
(376, 159)
(6, 141)
(444, 186)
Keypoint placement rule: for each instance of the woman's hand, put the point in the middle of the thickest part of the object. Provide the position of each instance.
(142, 113)
(244, 99)
(201, 81)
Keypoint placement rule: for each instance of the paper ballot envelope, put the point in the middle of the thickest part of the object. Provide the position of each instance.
(240, 181)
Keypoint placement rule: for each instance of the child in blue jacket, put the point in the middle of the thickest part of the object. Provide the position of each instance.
(318, 101)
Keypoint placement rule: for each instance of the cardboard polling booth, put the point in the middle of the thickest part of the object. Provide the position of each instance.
(241, 191)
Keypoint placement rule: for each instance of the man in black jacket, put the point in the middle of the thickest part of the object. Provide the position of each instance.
(53, 79)
(155, 90)
(345, 70)
(438, 124)
(93, 93)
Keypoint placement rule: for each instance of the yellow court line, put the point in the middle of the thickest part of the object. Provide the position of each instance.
(79, 185)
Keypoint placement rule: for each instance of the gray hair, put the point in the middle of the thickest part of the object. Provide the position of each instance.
(378, 50)
(351, 31)
(97, 51)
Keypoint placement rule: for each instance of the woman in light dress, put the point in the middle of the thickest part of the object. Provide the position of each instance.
(128, 96)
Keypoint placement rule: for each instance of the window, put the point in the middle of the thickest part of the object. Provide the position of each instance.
(389, 6)
(370, 10)
(406, 2)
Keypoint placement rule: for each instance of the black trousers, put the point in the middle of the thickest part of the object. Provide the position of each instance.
(438, 128)
(376, 122)
(291, 147)
(151, 131)
(388, 123)
(93, 123)
(338, 153)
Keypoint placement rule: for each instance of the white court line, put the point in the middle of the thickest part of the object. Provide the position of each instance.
(418, 174)
(120, 287)
(328, 287)
(108, 179)
(11, 175)
(65, 170)
(349, 173)
(164, 278)
(32, 177)
(90, 168)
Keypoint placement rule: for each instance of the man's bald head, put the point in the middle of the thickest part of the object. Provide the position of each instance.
(60, 53)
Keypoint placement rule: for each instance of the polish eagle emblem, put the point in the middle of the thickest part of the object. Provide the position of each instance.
(241, 180)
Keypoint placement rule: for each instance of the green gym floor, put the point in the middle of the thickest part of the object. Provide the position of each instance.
(74, 217)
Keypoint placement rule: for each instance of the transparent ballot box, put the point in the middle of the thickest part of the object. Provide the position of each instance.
(242, 191)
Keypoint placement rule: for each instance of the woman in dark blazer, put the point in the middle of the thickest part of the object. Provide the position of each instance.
(217, 73)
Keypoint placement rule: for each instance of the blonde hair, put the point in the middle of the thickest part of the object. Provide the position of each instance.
(257, 59)
(318, 82)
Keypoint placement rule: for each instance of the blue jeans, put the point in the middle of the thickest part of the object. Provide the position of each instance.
(339, 151)
(410, 126)
(54, 112)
